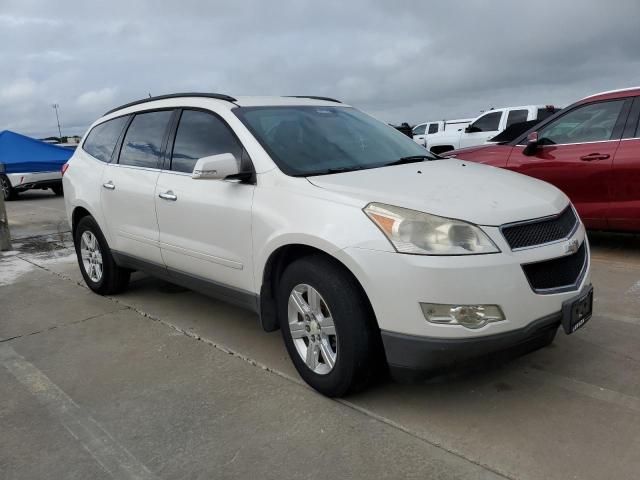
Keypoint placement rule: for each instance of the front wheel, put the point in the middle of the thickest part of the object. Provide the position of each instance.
(327, 326)
(98, 268)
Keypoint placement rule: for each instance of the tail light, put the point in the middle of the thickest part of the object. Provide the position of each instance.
(64, 168)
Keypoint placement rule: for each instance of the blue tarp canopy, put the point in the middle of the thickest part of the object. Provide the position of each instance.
(21, 154)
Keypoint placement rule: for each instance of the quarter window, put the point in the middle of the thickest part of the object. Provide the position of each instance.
(588, 123)
(433, 128)
(102, 138)
(142, 145)
(487, 123)
(201, 134)
(517, 116)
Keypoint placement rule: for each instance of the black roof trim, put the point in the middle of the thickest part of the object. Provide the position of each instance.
(217, 96)
(313, 97)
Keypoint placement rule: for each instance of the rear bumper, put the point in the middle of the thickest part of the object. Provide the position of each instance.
(30, 180)
(411, 357)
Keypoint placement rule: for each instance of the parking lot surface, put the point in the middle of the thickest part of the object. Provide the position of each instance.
(161, 382)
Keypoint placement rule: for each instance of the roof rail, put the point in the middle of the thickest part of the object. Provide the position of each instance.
(314, 97)
(217, 96)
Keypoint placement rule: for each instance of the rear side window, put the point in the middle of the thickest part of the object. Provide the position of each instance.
(142, 145)
(487, 123)
(201, 134)
(517, 116)
(546, 112)
(102, 138)
(433, 128)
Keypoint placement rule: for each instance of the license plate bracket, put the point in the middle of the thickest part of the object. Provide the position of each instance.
(577, 311)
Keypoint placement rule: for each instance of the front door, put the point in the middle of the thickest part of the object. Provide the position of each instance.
(576, 155)
(484, 128)
(128, 188)
(205, 224)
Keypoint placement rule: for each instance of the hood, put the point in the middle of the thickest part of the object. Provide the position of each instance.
(452, 188)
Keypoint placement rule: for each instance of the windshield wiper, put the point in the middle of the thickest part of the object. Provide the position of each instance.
(409, 159)
(329, 171)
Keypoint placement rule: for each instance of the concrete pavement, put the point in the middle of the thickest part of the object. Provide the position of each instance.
(192, 387)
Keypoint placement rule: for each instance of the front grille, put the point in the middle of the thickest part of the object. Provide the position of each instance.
(539, 232)
(559, 274)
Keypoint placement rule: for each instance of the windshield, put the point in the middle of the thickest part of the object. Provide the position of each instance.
(306, 141)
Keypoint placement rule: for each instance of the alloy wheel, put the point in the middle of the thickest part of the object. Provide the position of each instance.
(312, 329)
(91, 256)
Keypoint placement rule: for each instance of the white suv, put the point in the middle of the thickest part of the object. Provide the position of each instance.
(364, 249)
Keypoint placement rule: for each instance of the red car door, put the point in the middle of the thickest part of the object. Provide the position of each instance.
(624, 213)
(575, 153)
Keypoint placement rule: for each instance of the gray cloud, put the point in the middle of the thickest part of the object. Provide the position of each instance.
(401, 61)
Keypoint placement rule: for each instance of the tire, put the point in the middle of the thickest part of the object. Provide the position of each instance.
(111, 278)
(57, 189)
(8, 191)
(356, 339)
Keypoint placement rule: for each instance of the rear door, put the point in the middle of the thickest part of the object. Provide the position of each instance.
(128, 187)
(576, 155)
(624, 213)
(481, 130)
(205, 224)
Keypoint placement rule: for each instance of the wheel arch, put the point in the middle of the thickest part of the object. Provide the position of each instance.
(275, 265)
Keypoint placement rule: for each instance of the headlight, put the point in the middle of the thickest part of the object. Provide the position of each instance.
(410, 231)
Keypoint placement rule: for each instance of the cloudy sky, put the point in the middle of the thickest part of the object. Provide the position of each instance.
(401, 61)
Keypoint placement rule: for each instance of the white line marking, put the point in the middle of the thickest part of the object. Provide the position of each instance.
(113, 457)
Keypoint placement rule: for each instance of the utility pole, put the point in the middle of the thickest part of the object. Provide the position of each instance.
(5, 236)
(55, 106)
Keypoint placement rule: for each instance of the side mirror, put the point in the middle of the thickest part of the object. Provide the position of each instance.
(216, 167)
(532, 144)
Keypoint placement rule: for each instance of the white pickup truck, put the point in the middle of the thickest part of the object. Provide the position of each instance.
(423, 130)
(486, 126)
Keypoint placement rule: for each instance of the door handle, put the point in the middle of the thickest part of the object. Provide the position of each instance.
(109, 185)
(168, 195)
(594, 156)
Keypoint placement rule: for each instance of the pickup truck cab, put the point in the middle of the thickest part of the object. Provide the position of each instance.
(423, 130)
(486, 126)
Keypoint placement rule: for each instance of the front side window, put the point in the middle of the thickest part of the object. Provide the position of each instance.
(517, 116)
(102, 138)
(419, 130)
(305, 140)
(142, 145)
(433, 128)
(201, 134)
(588, 123)
(487, 123)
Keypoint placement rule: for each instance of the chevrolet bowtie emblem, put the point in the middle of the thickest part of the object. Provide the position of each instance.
(572, 246)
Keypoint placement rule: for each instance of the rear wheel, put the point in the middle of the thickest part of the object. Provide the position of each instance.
(98, 268)
(327, 326)
(57, 189)
(8, 191)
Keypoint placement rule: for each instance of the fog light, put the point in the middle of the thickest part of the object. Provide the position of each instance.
(469, 316)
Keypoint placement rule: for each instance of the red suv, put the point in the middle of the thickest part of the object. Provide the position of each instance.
(590, 150)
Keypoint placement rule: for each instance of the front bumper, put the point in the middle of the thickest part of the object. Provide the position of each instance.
(396, 284)
(410, 357)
